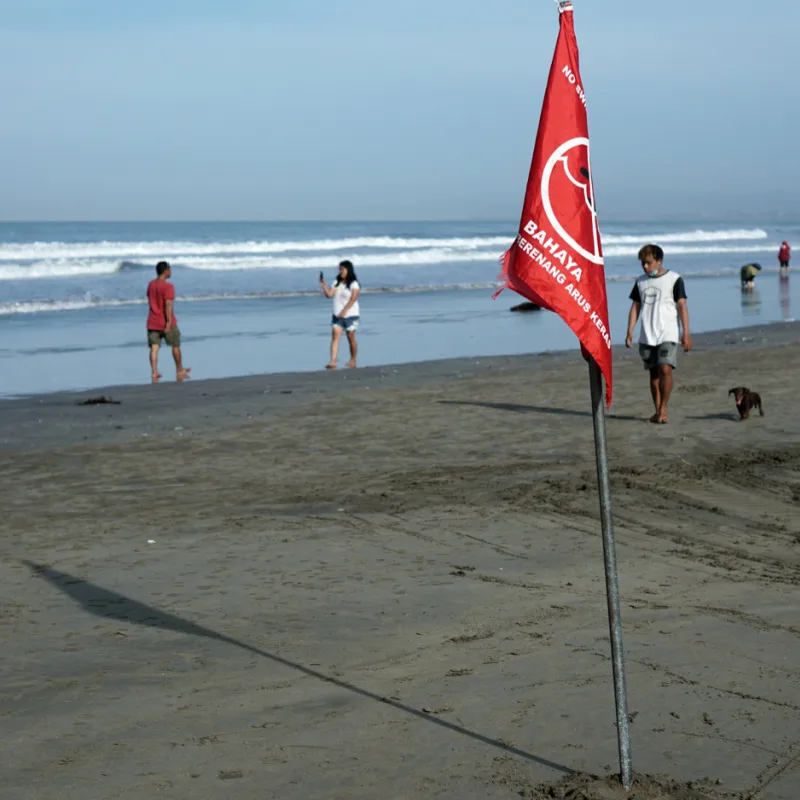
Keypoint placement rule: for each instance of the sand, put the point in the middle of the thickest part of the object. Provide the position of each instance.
(388, 583)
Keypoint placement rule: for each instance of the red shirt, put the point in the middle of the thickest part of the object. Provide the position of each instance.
(158, 292)
(784, 253)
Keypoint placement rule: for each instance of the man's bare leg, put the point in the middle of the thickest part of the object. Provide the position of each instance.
(665, 390)
(351, 340)
(336, 335)
(655, 391)
(156, 375)
(181, 372)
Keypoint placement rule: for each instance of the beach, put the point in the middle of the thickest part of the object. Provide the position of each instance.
(388, 582)
(248, 302)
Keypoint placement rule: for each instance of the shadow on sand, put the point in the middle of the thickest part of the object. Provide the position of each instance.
(110, 605)
(719, 417)
(566, 412)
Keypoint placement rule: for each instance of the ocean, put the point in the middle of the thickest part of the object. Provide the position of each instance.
(72, 308)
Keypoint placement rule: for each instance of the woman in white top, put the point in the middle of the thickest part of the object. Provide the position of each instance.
(345, 292)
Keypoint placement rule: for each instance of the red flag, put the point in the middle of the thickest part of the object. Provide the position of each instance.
(557, 259)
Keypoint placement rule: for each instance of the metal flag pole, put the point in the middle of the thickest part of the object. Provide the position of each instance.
(612, 583)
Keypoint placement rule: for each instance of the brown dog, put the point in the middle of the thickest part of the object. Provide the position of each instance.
(745, 400)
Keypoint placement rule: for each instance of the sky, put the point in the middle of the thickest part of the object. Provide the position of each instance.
(417, 109)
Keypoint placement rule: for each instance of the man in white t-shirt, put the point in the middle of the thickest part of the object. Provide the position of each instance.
(659, 298)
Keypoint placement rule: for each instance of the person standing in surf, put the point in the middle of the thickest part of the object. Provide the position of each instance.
(659, 297)
(162, 322)
(784, 256)
(344, 292)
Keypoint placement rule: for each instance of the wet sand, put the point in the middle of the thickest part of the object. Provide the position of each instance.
(388, 582)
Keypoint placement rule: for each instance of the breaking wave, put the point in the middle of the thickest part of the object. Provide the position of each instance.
(64, 260)
(63, 268)
(132, 251)
(174, 250)
(737, 235)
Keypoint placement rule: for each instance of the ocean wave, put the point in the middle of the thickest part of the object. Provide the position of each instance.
(45, 306)
(736, 235)
(619, 251)
(410, 258)
(430, 256)
(57, 269)
(88, 302)
(81, 304)
(125, 266)
(175, 250)
(65, 269)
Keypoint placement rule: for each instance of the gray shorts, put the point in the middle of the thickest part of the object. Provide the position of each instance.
(171, 337)
(656, 355)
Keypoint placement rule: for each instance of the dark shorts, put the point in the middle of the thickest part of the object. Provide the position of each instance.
(664, 353)
(350, 324)
(785, 264)
(171, 337)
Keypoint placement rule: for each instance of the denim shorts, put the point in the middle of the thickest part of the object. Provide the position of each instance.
(349, 324)
(655, 355)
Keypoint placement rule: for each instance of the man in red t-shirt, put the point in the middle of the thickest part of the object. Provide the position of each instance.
(162, 322)
(784, 254)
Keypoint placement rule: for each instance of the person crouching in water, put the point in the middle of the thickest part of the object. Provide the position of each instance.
(345, 292)
(659, 296)
(748, 275)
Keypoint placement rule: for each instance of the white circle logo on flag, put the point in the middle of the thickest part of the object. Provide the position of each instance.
(557, 168)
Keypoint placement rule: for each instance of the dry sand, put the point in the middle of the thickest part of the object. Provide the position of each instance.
(388, 584)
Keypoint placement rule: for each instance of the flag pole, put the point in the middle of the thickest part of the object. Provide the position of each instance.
(612, 583)
(555, 263)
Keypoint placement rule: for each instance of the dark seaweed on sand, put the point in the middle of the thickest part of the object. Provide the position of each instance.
(96, 401)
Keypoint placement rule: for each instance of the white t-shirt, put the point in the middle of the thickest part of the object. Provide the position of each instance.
(341, 297)
(659, 307)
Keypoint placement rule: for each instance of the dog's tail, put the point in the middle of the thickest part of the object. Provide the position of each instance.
(760, 409)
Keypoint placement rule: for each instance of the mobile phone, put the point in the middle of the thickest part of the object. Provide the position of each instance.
(321, 276)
